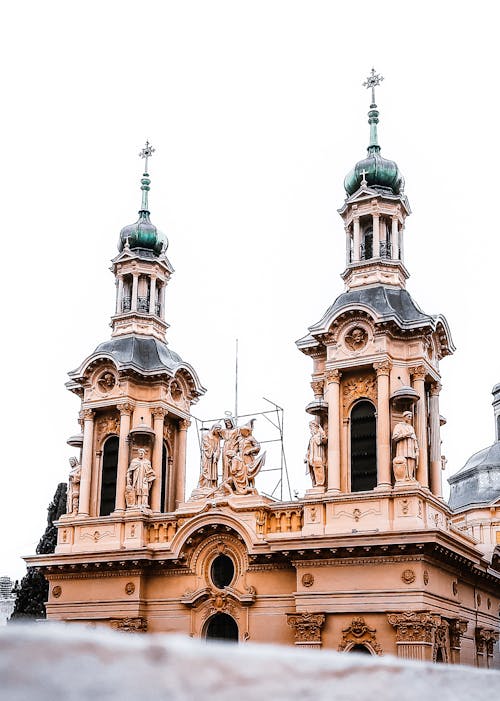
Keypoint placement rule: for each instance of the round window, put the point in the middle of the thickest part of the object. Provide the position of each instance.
(222, 571)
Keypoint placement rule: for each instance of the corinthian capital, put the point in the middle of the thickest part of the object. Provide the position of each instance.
(307, 627)
(317, 387)
(184, 424)
(125, 408)
(436, 388)
(414, 626)
(87, 414)
(383, 367)
(333, 376)
(159, 412)
(418, 372)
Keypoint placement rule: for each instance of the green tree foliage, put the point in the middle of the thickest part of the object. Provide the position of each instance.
(33, 591)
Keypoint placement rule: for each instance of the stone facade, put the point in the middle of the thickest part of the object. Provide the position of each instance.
(369, 559)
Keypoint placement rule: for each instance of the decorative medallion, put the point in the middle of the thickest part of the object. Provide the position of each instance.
(175, 391)
(408, 576)
(129, 588)
(426, 577)
(106, 381)
(307, 579)
(488, 603)
(56, 591)
(479, 600)
(454, 587)
(356, 338)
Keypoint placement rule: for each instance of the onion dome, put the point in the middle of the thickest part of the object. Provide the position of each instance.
(143, 233)
(374, 170)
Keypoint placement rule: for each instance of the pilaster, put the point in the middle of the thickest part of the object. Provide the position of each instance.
(88, 416)
(159, 414)
(180, 466)
(125, 410)
(383, 370)
(435, 439)
(333, 397)
(419, 373)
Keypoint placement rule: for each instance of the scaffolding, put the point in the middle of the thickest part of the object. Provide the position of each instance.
(278, 489)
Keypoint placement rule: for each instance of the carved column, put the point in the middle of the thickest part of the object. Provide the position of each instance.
(458, 627)
(180, 466)
(125, 410)
(119, 295)
(158, 420)
(86, 475)
(485, 641)
(435, 430)
(356, 240)
(135, 285)
(418, 373)
(161, 297)
(307, 628)
(333, 397)
(383, 370)
(415, 632)
(394, 239)
(376, 235)
(347, 245)
(152, 294)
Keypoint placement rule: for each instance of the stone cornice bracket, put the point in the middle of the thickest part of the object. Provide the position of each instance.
(418, 372)
(414, 626)
(359, 633)
(307, 628)
(333, 375)
(125, 408)
(383, 367)
(159, 411)
(130, 625)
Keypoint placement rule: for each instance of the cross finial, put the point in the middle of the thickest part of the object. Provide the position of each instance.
(372, 81)
(146, 153)
(363, 177)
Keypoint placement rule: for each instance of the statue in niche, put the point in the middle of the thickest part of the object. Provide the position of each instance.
(316, 455)
(140, 476)
(245, 463)
(74, 486)
(406, 443)
(231, 436)
(210, 454)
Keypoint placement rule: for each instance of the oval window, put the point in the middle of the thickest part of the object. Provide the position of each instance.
(222, 571)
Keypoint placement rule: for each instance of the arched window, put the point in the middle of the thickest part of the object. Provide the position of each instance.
(361, 649)
(363, 447)
(108, 477)
(367, 245)
(164, 477)
(222, 627)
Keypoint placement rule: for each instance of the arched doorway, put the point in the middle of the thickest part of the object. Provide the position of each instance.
(360, 649)
(108, 476)
(222, 627)
(363, 447)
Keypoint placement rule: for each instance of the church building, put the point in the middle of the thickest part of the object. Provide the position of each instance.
(370, 559)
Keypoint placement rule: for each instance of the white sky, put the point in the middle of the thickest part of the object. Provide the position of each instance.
(257, 112)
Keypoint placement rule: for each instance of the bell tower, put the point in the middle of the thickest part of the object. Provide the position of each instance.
(376, 377)
(136, 396)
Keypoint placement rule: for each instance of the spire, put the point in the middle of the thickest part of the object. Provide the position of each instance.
(373, 80)
(146, 153)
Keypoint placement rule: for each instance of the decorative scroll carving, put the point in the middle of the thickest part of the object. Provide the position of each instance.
(414, 626)
(220, 602)
(130, 625)
(457, 629)
(307, 627)
(356, 338)
(359, 387)
(359, 633)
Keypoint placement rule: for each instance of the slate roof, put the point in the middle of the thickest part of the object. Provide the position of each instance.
(478, 482)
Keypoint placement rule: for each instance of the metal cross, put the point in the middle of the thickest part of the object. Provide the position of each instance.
(146, 153)
(363, 173)
(372, 81)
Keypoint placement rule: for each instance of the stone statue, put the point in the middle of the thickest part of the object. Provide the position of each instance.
(74, 486)
(316, 455)
(246, 462)
(140, 475)
(231, 435)
(210, 453)
(406, 443)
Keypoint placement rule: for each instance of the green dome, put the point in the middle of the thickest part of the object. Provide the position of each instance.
(143, 234)
(378, 171)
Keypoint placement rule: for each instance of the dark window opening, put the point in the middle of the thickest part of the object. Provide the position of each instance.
(108, 477)
(360, 648)
(363, 447)
(222, 571)
(163, 497)
(367, 245)
(439, 655)
(498, 427)
(222, 627)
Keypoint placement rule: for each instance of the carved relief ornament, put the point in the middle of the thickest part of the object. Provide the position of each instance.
(356, 338)
(130, 625)
(457, 629)
(383, 367)
(87, 414)
(159, 412)
(418, 372)
(333, 376)
(125, 408)
(359, 633)
(317, 387)
(485, 640)
(414, 626)
(359, 387)
(307, 627)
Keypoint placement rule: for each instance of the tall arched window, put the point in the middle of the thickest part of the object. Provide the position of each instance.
(108, 477)
(164, 477)
(363, 447)
(222, 627)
